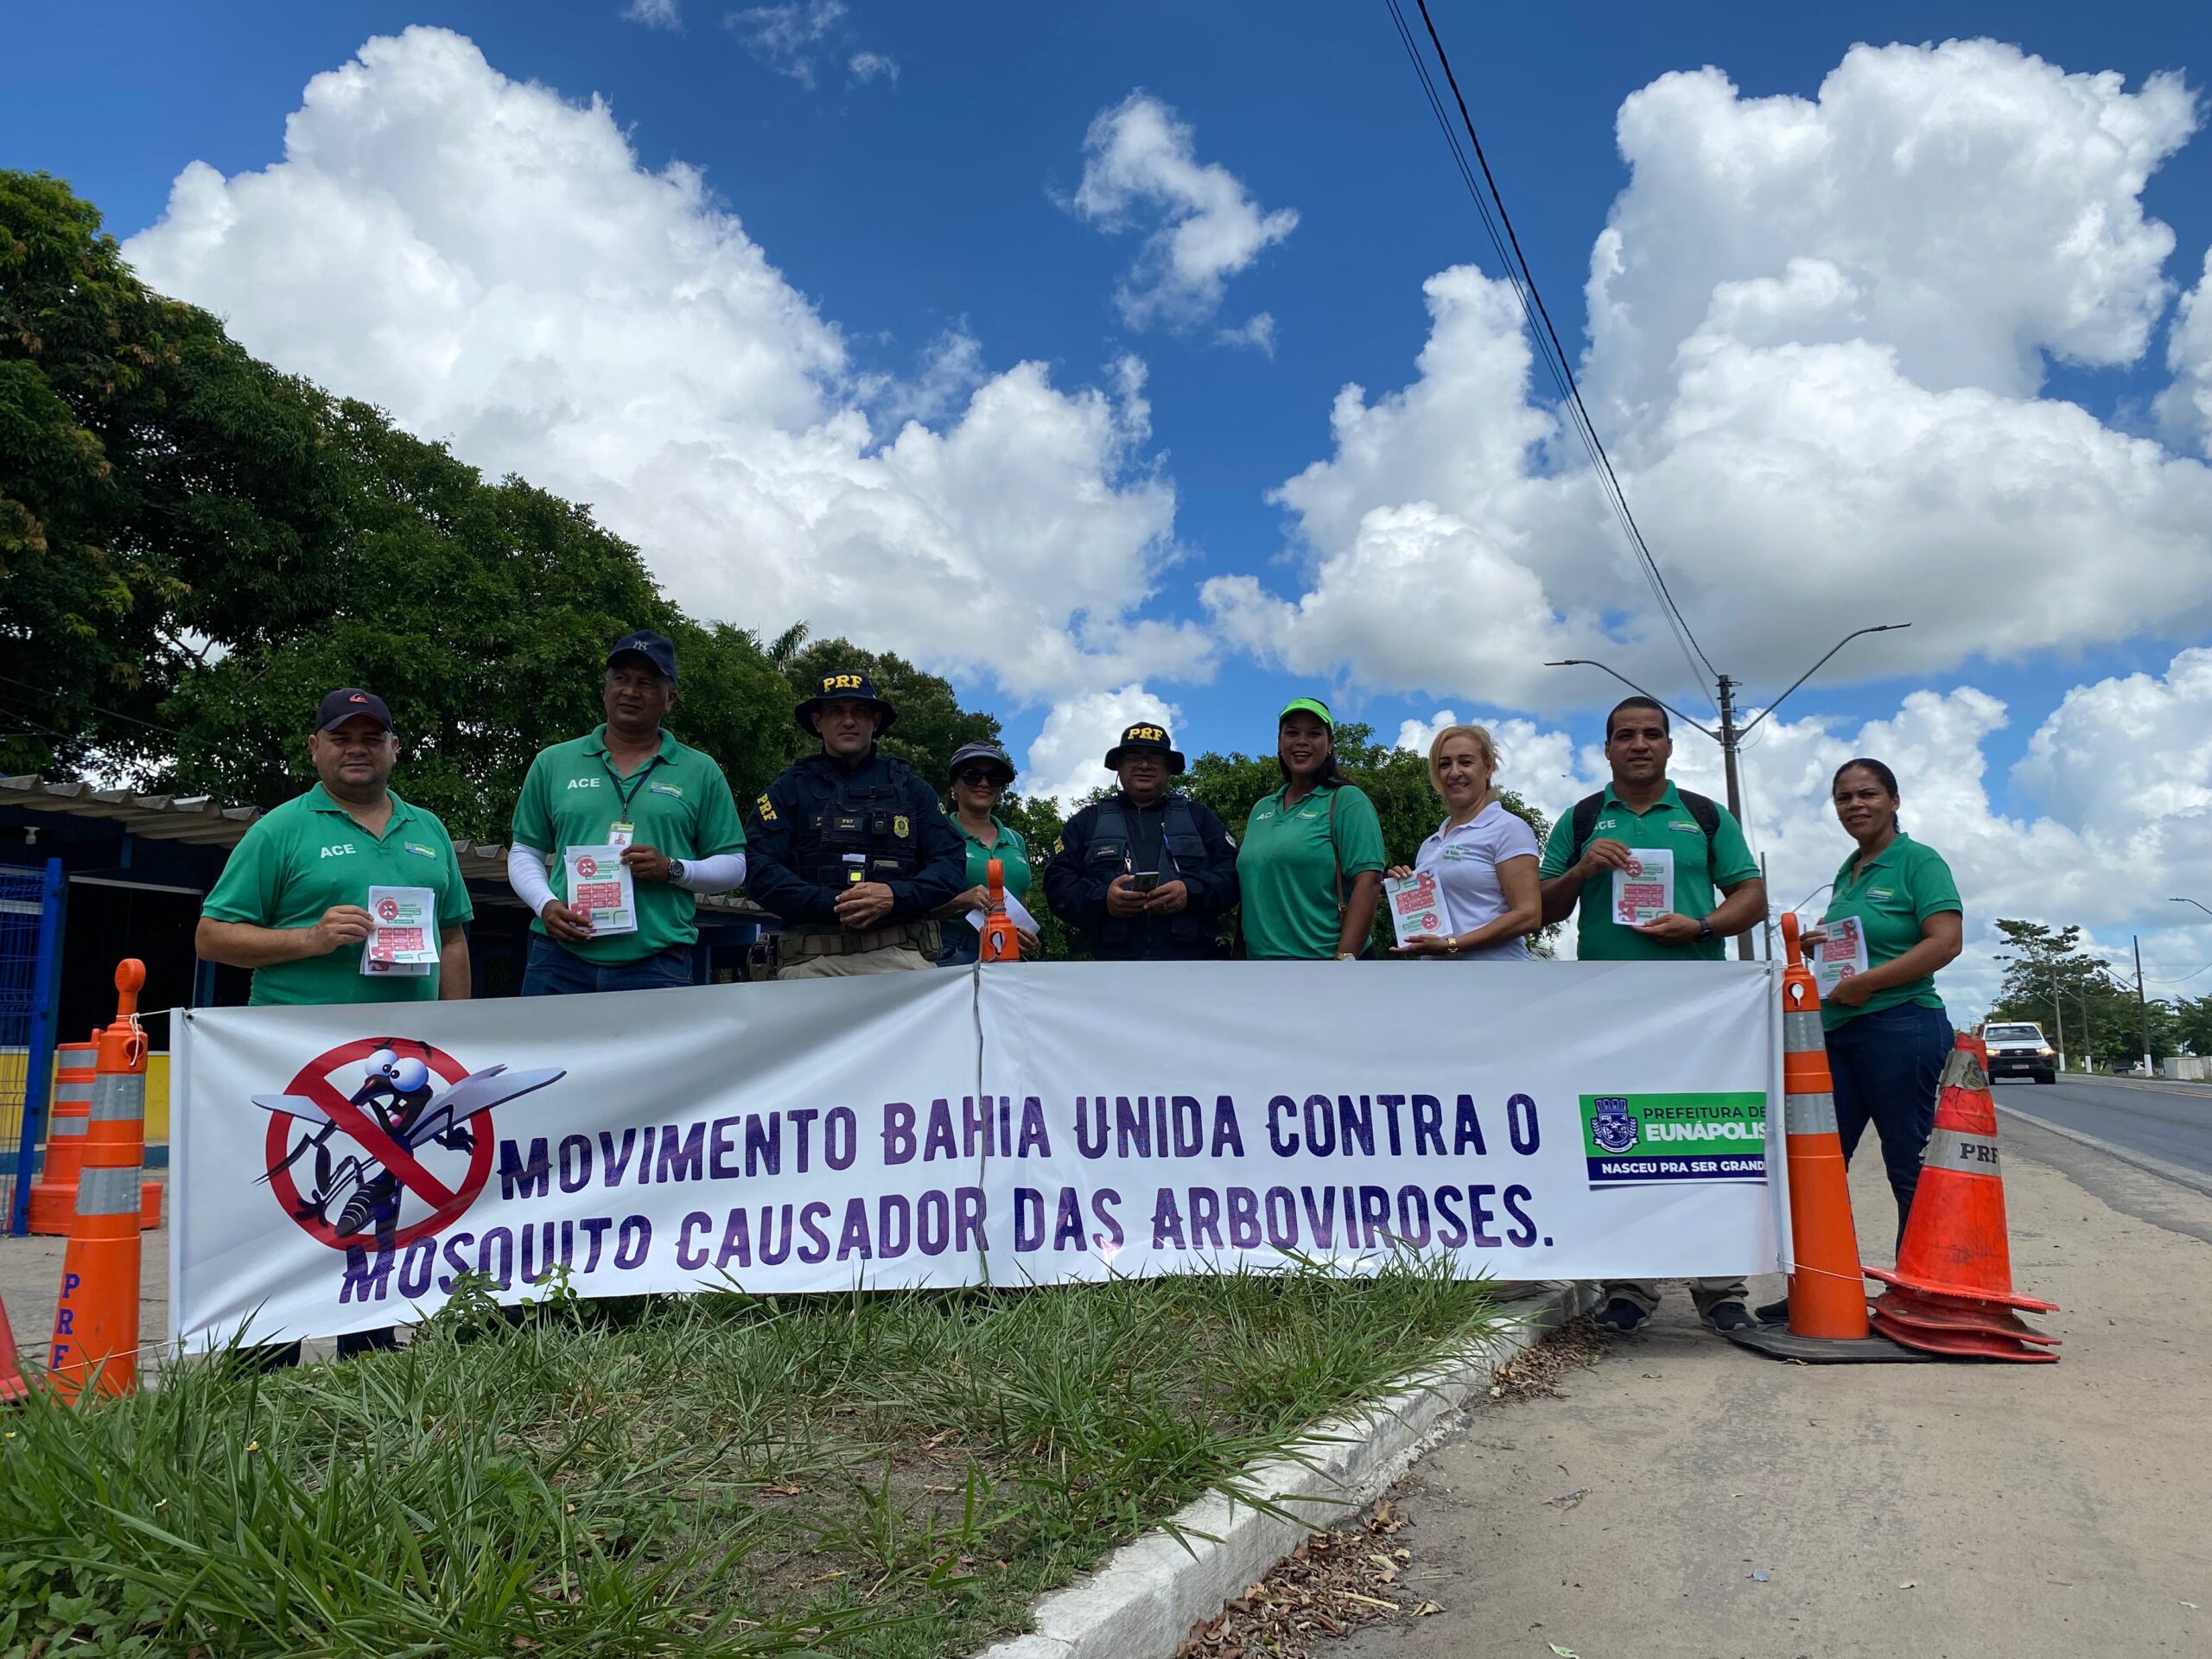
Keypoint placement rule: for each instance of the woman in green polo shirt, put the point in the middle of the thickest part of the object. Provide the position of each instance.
(980, 777)
(1311, 866)
(1888, 1034)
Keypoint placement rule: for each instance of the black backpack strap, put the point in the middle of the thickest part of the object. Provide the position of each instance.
(1701, 808)
(1585, 820)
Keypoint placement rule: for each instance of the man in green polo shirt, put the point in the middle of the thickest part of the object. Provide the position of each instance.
(292, 902)
(1684, 908)
(628, 797)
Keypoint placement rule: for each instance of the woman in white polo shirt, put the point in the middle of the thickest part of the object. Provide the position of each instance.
(1484, 857)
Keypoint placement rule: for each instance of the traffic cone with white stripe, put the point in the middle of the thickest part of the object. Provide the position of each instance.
(1827, 1293)
(1954, 1279)
(96, 1320)
(1827, 1298)
(1001, 942)
(53, 1195)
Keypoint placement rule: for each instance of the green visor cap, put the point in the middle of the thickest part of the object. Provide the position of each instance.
(1312, 706)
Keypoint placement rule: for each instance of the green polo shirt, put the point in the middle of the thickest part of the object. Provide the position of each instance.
(1287, 870)
(1011, 851)
(1701, 869)
(678, 802)
(299, 859)
(1900, 888)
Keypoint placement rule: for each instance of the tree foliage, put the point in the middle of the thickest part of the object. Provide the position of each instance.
(2049, 980)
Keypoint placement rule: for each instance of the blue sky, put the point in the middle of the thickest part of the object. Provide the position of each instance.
(940, 203)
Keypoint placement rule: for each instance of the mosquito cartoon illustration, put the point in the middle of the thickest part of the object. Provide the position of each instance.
(398, 1095)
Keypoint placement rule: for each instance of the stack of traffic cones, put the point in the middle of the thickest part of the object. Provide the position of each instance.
(53, 1195)
(1953, 1287)
(96, 1321)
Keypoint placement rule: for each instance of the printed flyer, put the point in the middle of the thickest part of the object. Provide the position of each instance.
(1645, 890)
(601, 889)
(1841, 953)
(1417, 907)
(403, 938)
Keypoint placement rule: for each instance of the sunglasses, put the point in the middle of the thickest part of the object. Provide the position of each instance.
(983, 778)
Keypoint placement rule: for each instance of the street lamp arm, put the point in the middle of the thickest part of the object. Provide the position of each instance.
(2199, 903)
(1585, 662)
(1882, 627)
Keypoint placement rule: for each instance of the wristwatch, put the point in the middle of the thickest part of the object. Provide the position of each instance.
(676, 872)
(1704, 929)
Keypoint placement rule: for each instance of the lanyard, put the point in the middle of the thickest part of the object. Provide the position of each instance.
(637, 779)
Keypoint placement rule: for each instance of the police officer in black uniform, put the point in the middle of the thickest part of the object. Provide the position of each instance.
(849, 846)
(1144, 875)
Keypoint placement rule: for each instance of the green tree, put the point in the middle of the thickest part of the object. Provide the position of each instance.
(164, 497)
(2192, 1024)
(481, 613)
(2048, 979)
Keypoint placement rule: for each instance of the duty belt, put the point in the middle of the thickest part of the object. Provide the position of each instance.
(808, 939)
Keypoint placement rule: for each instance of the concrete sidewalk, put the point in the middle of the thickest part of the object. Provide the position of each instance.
(1687, 1498)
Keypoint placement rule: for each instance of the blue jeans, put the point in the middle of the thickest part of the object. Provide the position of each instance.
(1888, 1067)
(553, 969)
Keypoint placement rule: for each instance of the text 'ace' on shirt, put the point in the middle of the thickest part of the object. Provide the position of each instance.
(677, 802)
(301, 859)
(1702, 866)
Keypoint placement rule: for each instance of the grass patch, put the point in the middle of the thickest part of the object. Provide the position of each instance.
(889, 1475)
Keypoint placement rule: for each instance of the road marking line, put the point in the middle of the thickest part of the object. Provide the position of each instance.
(2180, 1174)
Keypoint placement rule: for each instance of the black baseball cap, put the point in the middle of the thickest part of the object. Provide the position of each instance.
(1145, 735)
(341, 705)
(653, 647)
(845, 684)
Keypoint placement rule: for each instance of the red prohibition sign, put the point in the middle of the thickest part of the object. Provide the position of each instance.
(313, 1081)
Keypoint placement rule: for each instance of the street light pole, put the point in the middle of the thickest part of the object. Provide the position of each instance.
(1730, 737)
(2143, 1007)
(2199, 903)
(2058, 1009)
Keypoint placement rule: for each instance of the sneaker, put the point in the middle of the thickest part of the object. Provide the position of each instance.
(1773, 1313)
(1730, 1316)
(1622, 1315)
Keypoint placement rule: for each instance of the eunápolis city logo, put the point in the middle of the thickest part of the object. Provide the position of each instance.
(1634, 1140)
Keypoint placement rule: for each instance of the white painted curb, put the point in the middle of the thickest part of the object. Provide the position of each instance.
(1141, 1602)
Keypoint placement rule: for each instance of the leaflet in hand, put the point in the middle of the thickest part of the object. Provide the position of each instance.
(1645, 890)
(1016, 911)
(1842, 953)
(1417, 907)
(402, 940)
(601, 889)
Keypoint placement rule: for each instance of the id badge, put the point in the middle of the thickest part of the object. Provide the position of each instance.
(620, 835)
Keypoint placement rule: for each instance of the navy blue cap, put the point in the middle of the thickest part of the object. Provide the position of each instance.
(653, 647)
(339, 706)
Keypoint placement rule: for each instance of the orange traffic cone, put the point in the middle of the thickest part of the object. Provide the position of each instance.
(1954, 1275)
(53, 1195)
(1002, 941)
(96, 1321)
(1828, 1295)
(12, 1386)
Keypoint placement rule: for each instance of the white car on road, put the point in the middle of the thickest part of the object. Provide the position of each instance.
(2018, 1049)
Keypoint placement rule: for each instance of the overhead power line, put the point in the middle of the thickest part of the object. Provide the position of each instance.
(1544, 337)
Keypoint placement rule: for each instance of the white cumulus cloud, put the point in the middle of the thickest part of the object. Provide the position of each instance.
(1142, 171)
(1819, 329)
(654, 14)
(490, 263)
(1067, 760)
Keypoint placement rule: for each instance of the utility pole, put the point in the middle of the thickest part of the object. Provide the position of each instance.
(2058, 1009)
(1766, 922)
(1730, 737)
(2143, 1007)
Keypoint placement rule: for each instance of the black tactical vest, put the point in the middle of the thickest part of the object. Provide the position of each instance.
(1183, 852)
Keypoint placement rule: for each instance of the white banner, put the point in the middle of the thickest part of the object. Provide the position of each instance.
(337, 1169)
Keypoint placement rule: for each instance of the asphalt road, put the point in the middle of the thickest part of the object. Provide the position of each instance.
(2171, 1122)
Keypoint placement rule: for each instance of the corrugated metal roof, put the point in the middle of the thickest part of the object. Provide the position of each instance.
(201, 820)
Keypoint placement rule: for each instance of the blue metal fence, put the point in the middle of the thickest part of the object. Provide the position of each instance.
(30, 970)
